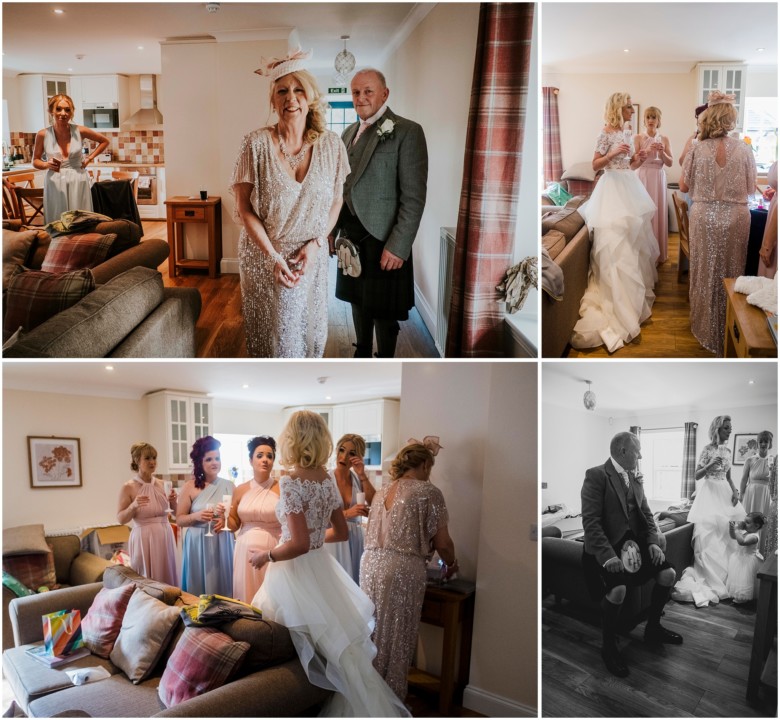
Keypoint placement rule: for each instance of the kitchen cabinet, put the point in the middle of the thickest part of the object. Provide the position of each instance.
(176, 421)
(35, 91)
(729, 78)
(376, 420)
(106, 91)
(325, 411)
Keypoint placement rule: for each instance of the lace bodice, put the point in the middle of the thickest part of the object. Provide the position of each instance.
(708, 454)
(316, 500)
(606, 141)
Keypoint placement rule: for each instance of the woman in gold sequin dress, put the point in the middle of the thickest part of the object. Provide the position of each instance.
(287, 182)
(407, 522)
(719, 174)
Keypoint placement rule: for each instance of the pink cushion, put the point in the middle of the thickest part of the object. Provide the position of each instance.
(34, 296)
(103, 622)
(76, 252)
(203, 660)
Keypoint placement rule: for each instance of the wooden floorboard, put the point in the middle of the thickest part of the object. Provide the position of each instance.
(667, 333)
(706, 676)
(219, 332)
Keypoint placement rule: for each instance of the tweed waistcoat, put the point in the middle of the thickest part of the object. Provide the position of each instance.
(355, 153)
(635, 520)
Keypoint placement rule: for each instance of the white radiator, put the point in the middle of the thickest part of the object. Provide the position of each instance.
(446, 262)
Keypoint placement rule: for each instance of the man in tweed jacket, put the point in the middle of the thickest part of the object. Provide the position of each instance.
(384, 198)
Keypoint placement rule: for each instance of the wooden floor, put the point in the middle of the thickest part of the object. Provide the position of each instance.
(219, 332)
(667, 333)
(706, 676)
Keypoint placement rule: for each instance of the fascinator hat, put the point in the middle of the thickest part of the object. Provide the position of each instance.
(274, 68)
(716, 97)
(430, 442)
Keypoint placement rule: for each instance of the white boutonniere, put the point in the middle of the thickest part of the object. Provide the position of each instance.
(385, 130)
(638, 477)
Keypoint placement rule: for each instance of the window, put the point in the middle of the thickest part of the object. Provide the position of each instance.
(341, 115)
(760, 125)
(662, 454)
(234, 454)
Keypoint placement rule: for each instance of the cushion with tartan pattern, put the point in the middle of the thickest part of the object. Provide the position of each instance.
(76, 252)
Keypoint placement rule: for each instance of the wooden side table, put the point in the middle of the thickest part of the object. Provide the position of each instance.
(747, 332)
(766, 624)
(451, 607)
(182, 210)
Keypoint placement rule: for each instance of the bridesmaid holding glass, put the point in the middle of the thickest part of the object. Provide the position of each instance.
(754, 488)
(207, 555)
(143, 502)
(253, 517)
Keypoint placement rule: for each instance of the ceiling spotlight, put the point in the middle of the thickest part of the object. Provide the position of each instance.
(58, 11)
(140, 47)
(760, 49)
(328, 397)
(212, 7)
(589, 398)
(751, 382)
(245, 386)
(626, 50)
(109, 367)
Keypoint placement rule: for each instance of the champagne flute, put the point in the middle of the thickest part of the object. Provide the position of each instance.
(226, 500)
(659, 139)
(210, 508)
(168, 486)
(628, 139)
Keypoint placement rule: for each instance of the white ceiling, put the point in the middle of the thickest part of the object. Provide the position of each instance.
(272, 385)
(662, 37)
(36, 40)
(630, 387)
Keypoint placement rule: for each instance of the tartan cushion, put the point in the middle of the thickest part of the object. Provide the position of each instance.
(34, 296)
(75, 252)
(203, 660)
(100, 628)
(34, 570)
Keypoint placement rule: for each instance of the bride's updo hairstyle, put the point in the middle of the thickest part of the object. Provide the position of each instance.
(716, 425)
(717, 121)
(613, 112)
(137, 451)
(305, 441)
(409, 458)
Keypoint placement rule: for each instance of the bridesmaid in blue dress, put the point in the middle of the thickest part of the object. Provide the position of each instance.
(351, 479)
(207, 561)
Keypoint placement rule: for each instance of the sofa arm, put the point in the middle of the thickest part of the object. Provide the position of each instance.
(149, 253)
(279, 691)
(87, 568)
(26, 612)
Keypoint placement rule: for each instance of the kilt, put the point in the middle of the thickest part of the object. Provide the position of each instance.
(599, 582)
(380, 294)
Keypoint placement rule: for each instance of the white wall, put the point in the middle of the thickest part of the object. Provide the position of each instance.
(430, 82)
(761, 82)
(11, 94)
(485, 414)
(586, 437)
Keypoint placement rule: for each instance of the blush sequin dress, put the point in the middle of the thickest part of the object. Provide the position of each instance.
(719, 229)
(393, 571)
(279, 321)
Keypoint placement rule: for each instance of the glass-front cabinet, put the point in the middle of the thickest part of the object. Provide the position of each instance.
(730, 79)
(176, 421)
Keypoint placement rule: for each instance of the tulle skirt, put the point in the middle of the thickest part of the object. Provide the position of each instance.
(743, 568)
(619, 296)
(330, 620)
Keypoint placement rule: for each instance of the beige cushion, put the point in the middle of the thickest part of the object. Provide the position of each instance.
(147, 627)
(16, 250)
(24, 540)
(580, 171)
(566, 220)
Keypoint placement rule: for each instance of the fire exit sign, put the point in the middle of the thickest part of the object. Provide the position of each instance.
(337, 91)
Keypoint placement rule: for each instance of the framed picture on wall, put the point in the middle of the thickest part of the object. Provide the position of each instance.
(745, 445)
(54, 462)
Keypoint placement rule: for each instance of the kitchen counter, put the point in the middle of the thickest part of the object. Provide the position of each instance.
(18, 169)
(125, 163)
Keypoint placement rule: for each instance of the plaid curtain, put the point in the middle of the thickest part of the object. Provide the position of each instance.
(551, 136)
(689, 460)
(487, 217)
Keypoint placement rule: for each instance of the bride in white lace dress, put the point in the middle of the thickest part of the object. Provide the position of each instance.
(329, 617)
(619, 296)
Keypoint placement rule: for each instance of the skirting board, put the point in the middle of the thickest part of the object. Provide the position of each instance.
(229, 265)
(426, 314)
(491, 705)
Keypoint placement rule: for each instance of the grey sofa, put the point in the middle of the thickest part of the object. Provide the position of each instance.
(71, 566)
(269, 683)
(131, 315)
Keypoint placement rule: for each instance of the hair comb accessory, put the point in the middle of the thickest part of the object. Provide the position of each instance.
(716, 97)
(431, 442)
(274, 68)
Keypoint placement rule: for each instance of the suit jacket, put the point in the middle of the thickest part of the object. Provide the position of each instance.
(605, 512)
(388, 186)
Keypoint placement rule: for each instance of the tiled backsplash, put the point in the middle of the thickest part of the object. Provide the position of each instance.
(137, 146)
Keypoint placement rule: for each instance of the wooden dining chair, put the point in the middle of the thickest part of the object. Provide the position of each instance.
(131, 175)
(681, 211)
(10, 206)
(30, 203)
(22, 180)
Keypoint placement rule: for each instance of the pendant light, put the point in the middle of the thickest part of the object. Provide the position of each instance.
(589, 398)
(344, 63)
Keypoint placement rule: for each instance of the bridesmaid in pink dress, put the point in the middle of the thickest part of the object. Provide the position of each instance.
(142, 500)
(253, 517)
(653, 176)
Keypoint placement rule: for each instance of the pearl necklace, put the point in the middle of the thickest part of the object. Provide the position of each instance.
(294, 160)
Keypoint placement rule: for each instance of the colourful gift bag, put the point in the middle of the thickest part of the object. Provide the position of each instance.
(62, 632)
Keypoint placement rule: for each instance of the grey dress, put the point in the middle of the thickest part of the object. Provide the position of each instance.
(279, 321)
